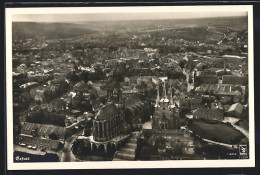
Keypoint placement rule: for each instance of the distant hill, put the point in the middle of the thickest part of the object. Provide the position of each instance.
(74, 29)
(237, 22)
(48, 30)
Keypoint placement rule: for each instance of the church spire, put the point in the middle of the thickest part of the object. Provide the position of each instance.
(158, 98)
(171, 98)
(164, 93)
(164, 89)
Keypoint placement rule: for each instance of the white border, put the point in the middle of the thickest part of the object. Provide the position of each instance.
(126, 164)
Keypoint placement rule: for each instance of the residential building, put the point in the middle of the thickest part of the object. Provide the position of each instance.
(235, 110)
(233, 79)
(208, 114)
(43, 130)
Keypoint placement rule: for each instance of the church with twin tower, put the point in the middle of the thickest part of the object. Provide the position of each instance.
(166, 114)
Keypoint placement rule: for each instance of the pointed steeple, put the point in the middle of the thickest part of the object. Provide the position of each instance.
(109, 98)
(171, 98)
(158, 94)
(158, 98)
(164, 93)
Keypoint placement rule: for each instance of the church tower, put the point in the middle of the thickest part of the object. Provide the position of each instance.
(121, 106)
(166, 115)
(176, 119)
(172, 104)
(157, 105)
(164, 99)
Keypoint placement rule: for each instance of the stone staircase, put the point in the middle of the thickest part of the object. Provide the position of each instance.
(127, 151)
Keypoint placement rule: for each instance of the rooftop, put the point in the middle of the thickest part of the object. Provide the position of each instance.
(236, 107)
(106, 112)
(43, 129)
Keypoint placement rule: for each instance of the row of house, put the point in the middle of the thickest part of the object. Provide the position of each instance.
(218, 114)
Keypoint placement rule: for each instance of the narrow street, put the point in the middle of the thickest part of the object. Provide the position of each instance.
(219, 143)
(232, 121)
(67, 155)
(242, 130)
(224, 36)
(187, 74)
(218, 32)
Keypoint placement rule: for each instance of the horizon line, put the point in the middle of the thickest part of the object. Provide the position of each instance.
(83, 17)
(115, 20)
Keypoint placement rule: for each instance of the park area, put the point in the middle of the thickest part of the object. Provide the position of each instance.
(219, 132)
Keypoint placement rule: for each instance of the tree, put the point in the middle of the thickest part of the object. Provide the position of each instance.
(73, 77)
(64, 87)
(145, 153)
(190, 80)
(84, 106)
(24, 100)
(87, 128)
(112, 48)
(182, 64)
(84, 76)
(97, 75)
(190, 65)
(167, 154)
(176, 75)
(81, 147)
(16, 62)
(43, 117)
(204, 67)
(178, 149)
(103, 100)
(218, 63)
(53, 136)
(160, 142)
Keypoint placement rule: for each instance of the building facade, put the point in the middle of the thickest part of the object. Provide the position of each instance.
(166, 115)
(107, 124)
(208, 114)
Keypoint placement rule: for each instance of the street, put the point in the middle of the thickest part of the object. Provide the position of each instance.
(67, 155)
(219, 143)
(232, 121)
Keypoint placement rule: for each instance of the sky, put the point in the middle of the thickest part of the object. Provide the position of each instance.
(118, 16)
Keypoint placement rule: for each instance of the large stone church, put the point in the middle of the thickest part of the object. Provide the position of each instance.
(166, 115)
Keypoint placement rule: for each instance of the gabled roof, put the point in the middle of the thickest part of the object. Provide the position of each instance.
(208, 112)
(106, 112)
(53, 144)
(43, 129)
(236, 107)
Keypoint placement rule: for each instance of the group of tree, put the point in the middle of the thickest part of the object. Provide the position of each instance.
(63, 87)
(23, 100)
(176, 75)
(149, 145)
(82, 105)
(81, 147)
(174, 152)
(74, 78)
(44, 117)
(49, 30)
